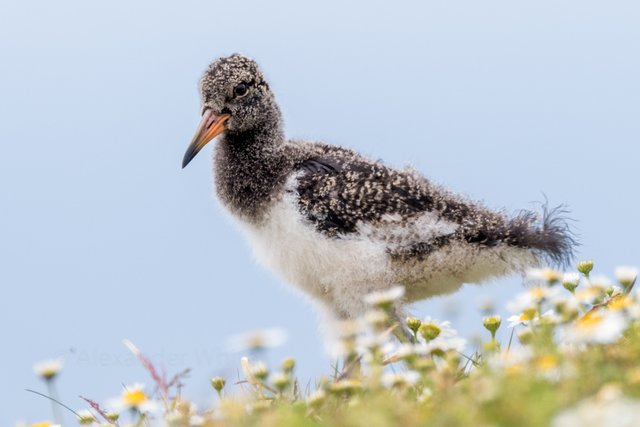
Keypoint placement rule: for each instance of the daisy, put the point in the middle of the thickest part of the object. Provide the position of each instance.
(184, 414)
(512, 361)
(523, 318)
(281, 381)
(385, 299)
(133, 397)
(260, 371)
(345, 387)
(405, 351)
(543, 275)
(532, 298)
(601, 326)
(377, 319)
(316, 398)
(444, 344)
(589, 294)
(549, 317)
(620, 302)
(600, 281)
(48, 369)
(570, 281)
(431, 329)
(566, 308)
(85, 417)
(257, 340)
(398, 380)
(626, 275)
(547, 366)
(532, 317)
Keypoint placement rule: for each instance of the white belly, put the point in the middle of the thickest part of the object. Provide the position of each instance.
(338, 272)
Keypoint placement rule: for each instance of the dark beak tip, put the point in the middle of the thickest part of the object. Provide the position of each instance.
(185, 162)
(188, 156)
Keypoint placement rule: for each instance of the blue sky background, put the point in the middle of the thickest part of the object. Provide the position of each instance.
(103, 236)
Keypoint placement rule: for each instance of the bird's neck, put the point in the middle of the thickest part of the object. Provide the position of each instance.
(260, 138)
(250, 169)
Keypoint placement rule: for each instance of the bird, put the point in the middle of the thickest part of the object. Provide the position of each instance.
(339, 226)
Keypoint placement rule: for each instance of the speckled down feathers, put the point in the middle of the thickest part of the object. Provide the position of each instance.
(422, 233)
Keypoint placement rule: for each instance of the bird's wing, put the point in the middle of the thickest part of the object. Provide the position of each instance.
(343, 194)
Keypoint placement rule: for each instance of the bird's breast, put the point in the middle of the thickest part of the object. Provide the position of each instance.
(288, 244)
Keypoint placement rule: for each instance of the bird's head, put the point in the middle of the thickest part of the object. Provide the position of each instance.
(235, 99)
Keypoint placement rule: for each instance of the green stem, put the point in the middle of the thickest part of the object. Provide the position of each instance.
(57, 415)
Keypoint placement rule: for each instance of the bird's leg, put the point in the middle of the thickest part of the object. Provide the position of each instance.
(351, 367)
(401, 331)
(347, 331)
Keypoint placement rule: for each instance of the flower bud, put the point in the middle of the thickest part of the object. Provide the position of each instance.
(570, 281)
(525, 336)
(492, 323)
(281, 381)
(345, 387)
(218, 383)
(429, 331)
(260, 371)
(585, 267)
(413, 324)
(85, 417)
(626, 275)
(316, 399)
(385, 300)
(288, 364)
(377, 319)
(113, 416)
(551, 276)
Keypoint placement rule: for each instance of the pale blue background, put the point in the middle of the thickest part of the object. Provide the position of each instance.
(103, 236)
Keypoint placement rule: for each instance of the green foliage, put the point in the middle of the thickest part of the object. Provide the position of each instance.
(574, 360)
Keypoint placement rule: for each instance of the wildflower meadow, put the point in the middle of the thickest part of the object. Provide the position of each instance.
(572, 359)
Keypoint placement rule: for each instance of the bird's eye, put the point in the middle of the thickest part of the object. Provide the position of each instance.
(241, 90)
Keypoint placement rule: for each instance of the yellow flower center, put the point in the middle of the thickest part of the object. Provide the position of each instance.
(589, 321)
(528, 314)
(551, 275)
(514, 369)
(42, 424)
(537, 293)
(49, 373)
(619, 302)
(133, 397)
(546, 363)
(429, 331)
(588, 294)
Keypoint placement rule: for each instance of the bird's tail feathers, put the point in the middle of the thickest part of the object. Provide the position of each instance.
(548, 235)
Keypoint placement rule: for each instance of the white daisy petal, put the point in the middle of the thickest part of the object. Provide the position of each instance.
(384, 298)
(258, 339)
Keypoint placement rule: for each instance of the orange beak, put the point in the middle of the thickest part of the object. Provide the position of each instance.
(210, 127)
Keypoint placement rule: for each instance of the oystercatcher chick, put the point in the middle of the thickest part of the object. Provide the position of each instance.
(339, 226)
